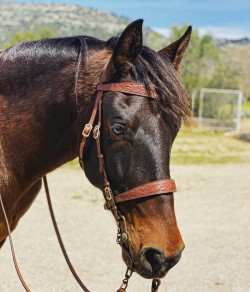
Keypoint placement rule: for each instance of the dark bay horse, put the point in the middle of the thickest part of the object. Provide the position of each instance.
(48, 89)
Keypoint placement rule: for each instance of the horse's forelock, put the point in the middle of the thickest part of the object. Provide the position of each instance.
(174, 100)
(149, 68)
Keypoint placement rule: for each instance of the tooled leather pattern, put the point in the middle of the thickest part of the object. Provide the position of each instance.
(128, 87)
(153, 188)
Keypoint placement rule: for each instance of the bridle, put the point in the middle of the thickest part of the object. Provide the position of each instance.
(163, 186)
(158, 187)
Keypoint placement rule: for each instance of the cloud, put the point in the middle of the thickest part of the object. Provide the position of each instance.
(223, 32)
(163, 31)
(218, 32)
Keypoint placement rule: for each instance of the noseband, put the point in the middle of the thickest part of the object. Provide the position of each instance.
(158, 187)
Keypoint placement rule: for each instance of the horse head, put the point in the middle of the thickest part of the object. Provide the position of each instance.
(136, 137)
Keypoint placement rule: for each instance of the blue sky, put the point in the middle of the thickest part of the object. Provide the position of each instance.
(222, 18)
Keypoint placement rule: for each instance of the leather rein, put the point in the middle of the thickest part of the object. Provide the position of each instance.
(163, 186)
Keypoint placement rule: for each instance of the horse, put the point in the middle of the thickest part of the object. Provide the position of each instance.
(48, 92)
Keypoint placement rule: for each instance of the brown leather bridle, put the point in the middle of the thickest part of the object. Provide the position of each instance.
(159, 187)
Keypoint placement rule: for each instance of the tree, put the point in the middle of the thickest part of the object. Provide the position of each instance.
(204, 66)
(199, 64)
(30, 35)
(238, 58)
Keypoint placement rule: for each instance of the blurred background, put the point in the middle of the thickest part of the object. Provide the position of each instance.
(210, 157)
(217, 58)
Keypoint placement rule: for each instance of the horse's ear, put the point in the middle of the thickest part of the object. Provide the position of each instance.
(128, 46)
(175, 51)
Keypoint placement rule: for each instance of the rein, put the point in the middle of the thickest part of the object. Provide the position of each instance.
(158, 187)
(25, 286)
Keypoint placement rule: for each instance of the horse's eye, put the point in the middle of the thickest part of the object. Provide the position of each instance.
(118, 129)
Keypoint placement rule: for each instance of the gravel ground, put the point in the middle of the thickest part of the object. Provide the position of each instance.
(213, 211)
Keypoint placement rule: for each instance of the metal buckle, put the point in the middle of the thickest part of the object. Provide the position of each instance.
(87, 130)
(108, 193)
(96, 132)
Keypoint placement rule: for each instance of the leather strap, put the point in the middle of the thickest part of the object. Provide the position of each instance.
(25, 286)
(79, 281)
(158, 187)
(154, 188)
(130, 88)
(88, 127)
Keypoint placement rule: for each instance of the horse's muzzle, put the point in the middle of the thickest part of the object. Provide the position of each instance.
(153, 263)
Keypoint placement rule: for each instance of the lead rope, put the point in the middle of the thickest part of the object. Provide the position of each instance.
(12, 249)
(84, 288)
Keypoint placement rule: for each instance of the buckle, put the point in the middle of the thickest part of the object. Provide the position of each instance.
(96, 132)
(108, 193)
(87, 130)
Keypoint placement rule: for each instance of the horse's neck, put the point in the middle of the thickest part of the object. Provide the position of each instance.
(57, 137)
(40, 125)
(39, 131)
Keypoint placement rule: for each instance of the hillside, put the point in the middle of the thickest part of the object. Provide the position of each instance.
(65, 20)
(222, 42)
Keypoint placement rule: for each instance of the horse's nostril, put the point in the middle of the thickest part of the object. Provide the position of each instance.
(152, 259)
(154, 263)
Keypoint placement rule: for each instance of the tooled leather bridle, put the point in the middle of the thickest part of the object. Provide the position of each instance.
(163, 186)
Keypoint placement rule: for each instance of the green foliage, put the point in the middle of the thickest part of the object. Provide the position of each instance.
(246, 111)
(198, 146)
(66, 20)
(203, 65)
(30, 35)
(198, 64)
(246, 106)
(45, 32)
(153, 40)
(225, 76)
(238, 58)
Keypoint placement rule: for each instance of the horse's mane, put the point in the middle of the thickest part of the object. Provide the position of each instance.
(149, 67)
(55, 47)
(52, 54)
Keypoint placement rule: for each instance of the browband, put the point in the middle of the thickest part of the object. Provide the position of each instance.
(130, 88)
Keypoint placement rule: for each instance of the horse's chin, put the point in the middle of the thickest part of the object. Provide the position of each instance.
(147, 274)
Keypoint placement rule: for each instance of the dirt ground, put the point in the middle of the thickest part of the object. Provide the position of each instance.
(213, 211)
